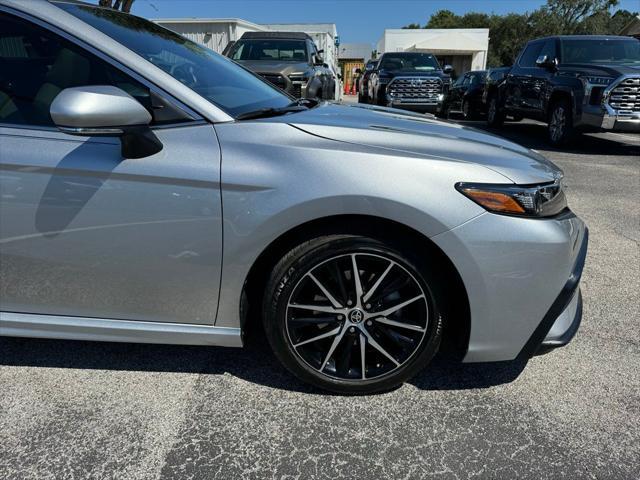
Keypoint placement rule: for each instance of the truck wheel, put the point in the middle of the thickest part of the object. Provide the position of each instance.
(495, 118)
(468, 113)
(560, 125)
(380, 101)
(362, 98)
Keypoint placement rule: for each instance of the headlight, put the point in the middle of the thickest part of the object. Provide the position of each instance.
(298, 77)
(543, 200)
(604, 81)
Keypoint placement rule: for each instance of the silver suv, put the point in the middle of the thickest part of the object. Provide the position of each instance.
(154, 191)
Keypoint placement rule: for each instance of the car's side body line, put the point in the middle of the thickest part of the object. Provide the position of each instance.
(109, 330)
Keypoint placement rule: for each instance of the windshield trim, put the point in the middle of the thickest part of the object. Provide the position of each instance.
(51, 16)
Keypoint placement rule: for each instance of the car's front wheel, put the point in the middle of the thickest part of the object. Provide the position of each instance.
(352, 314)
(495, 118)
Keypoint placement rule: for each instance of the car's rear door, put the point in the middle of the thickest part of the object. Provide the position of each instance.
(84, 232)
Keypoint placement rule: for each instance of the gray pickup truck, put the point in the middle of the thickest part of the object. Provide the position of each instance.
(289, 60)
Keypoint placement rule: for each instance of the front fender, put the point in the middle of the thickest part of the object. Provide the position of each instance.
(276, 177)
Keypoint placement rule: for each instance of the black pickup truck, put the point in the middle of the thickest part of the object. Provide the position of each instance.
(573, 83)
(409, 80)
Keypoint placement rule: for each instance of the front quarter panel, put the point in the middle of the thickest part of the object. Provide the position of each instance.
(276, 177)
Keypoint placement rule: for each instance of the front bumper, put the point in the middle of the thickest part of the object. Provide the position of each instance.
(601, 118)
(565, 327)
(428, 107)
(561, 322)
(521, 276)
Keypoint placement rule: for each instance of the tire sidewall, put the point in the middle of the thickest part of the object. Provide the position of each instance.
(286, 277)
(567, 131)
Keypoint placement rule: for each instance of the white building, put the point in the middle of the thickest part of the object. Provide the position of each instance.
(463, 48)
(353, 51)
(216, 33)
(213, 33)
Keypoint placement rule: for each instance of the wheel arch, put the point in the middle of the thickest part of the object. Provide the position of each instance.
(560, 94)
(457, 327)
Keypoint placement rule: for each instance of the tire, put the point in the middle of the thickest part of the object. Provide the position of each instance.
(362, 98)
(560, 123)
(380, 101)
(495, 118)
(334, 360)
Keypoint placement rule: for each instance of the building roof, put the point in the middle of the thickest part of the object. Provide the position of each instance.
(238, 21)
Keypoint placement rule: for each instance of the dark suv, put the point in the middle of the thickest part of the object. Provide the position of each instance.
(410, 80)
(573, 83)
(465, 95)
(289, 60)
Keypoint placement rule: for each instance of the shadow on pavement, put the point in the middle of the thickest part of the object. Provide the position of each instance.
(534, 135)
(254, 363)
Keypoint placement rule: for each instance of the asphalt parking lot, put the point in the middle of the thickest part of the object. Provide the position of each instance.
(89, 410)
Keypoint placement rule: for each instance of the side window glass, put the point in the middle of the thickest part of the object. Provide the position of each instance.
(36, 65)
(530, 55)
(549, 49)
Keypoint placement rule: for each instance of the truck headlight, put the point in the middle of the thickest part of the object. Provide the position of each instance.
(593, 80)
(544, 200)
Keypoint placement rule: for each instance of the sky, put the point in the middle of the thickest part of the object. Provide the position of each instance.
(356, 20)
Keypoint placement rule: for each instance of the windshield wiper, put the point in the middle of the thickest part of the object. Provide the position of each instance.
(271, 112)
(298, 105)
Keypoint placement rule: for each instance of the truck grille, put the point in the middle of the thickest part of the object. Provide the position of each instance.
(625, 96)
(415, 89)
(277, 80)
(296, 90)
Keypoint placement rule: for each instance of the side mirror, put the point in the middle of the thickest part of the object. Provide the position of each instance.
(448, 69)
(106, 111)
(544, 61)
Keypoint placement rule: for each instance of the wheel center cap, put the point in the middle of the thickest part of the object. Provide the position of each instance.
(356, 315)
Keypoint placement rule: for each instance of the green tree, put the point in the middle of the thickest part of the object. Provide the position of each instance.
(572, 13)
(443, 19)
(509, 33)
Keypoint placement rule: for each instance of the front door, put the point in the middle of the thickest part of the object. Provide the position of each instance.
(84, 232)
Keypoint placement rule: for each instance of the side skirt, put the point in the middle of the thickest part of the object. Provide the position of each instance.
(108, 330)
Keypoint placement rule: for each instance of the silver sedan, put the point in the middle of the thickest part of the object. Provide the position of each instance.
(154, 191)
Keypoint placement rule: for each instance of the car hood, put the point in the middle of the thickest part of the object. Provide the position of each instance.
(611, 70)
(424, 135)
(275, 67)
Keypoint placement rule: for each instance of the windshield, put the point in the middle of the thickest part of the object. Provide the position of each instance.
(216, 78)
(270, 50)
(619, 51)
(421, 62)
